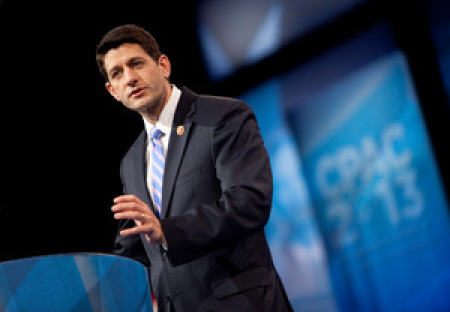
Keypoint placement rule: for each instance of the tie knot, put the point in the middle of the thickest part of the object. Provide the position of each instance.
(155, 133)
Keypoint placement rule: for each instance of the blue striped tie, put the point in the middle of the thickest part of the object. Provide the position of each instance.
(158, 162)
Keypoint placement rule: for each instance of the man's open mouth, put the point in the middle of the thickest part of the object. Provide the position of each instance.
(137, 92)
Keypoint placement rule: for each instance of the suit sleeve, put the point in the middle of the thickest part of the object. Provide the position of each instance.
(243, 169)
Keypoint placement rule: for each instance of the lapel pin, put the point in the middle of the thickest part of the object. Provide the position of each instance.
(180, 130)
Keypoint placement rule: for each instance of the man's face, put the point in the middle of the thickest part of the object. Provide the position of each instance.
(136, 80)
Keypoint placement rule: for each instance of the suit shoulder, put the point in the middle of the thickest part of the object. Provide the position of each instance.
(221, 102)
(215, 108)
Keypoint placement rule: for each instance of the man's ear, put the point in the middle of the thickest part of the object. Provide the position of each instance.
(164, 64)
(111, 90)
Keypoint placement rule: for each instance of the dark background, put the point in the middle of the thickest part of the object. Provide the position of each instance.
(62, 135)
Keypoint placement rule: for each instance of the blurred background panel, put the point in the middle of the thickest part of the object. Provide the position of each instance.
(343, 117)
(352, 98)
(237, 33)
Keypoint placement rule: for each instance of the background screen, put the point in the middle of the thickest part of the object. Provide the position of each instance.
(351, 156)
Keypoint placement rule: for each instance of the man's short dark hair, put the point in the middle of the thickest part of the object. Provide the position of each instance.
(126, 34)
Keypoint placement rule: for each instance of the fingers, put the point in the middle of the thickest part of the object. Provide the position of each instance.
(138, 211)
(129, 203)
(152, 230)
(135, 215)
(127, 198)
(128, 206)
(131, 207)
(144, 229)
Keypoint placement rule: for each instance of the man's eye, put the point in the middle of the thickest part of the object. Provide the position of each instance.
(115, 74)
(137, 63)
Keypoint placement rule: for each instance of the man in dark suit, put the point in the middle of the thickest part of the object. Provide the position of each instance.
(204, 239)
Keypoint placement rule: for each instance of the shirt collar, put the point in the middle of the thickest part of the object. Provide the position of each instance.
(166, 118)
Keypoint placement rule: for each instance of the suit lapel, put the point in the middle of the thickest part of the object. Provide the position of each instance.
(177, 145)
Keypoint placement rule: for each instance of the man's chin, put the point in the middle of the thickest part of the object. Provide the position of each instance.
(138, 105)
(143, 107)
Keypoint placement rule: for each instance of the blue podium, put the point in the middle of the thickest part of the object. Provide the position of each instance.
(76, 282)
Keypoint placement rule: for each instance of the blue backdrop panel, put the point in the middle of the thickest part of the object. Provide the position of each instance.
(378, 195)
(81, 282)
(234, 33)
(292, 231)
(354, 172)
(372, 178)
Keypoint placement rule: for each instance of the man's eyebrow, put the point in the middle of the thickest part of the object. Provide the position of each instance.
(113, 69)
(135, 58)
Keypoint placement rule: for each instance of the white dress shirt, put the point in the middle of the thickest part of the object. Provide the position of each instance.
(165, 125)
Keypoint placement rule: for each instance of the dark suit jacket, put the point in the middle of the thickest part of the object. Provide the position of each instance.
(217, 197)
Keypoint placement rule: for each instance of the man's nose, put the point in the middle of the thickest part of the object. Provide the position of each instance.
(131, 77)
